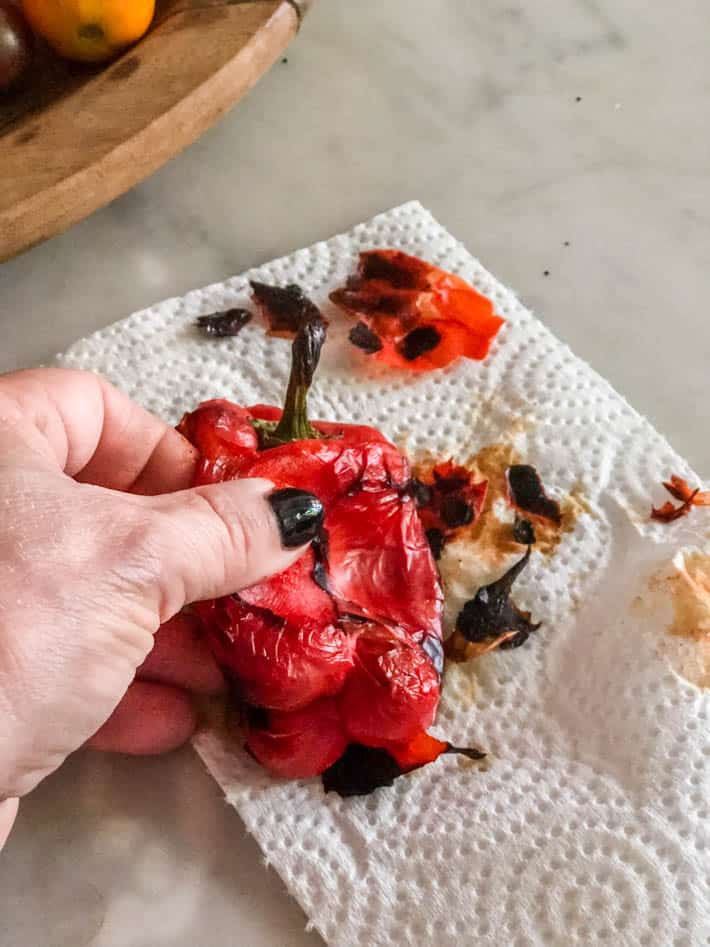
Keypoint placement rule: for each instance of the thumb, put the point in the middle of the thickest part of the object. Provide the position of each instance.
(218, 539)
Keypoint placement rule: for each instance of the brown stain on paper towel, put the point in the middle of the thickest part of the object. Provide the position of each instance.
(689, 590)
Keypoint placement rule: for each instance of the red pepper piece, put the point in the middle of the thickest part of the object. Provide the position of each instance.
(681, 490)
(300, 743)
(279, 665)
(419, 751)
(423, 749)
(393, 691)
(376, 546)
(413, 315)
(668, 513)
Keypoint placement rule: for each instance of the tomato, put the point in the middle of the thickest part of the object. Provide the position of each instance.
(15, 45)
(89, 30)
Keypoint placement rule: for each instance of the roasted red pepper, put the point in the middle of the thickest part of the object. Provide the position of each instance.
(344, 646)
(413, 315)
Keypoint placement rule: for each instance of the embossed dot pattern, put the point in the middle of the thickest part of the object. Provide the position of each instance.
(588, 822)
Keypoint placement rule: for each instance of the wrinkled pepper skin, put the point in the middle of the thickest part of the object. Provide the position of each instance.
(332, 649)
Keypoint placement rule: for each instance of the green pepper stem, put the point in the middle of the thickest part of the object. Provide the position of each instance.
(305, 355)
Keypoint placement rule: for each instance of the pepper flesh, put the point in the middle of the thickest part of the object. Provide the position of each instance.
(333, 647)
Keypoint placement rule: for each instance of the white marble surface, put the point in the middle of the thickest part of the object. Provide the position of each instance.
(522, 126)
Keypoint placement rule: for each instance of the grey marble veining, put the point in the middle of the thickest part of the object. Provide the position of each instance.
(524, 127)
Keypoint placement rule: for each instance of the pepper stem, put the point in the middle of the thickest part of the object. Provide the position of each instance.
(305, 355)
(470, 751)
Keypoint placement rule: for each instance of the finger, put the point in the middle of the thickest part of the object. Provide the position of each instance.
(93, 432)
(151, 718)
(182, 658)
(217, 539)
(8, 813)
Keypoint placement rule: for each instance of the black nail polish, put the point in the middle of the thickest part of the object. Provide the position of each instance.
(299, 515)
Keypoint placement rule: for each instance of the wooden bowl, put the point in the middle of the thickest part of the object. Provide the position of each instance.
(75, 137)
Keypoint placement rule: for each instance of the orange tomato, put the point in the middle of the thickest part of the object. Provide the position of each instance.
(89, 30)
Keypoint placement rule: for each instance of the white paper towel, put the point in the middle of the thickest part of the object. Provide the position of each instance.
(589, 822)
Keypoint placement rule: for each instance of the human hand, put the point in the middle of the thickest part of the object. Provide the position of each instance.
(101, 543)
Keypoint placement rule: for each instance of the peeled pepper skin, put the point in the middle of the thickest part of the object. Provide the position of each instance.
(342, 665)
(89, 30)
(394, 294)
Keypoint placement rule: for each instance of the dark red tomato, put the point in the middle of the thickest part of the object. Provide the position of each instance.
(16, 45)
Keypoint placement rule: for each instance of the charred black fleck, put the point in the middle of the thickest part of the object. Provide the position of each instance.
(523, 532)
(418, 342)
(455, 512)
(436, 540)
(364, 338)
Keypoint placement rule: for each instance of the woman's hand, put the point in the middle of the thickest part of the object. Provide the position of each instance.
(101, 543)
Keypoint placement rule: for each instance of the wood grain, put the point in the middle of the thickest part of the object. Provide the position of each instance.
(80, 137)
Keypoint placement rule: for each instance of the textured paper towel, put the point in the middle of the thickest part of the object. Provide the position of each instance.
(589, 822)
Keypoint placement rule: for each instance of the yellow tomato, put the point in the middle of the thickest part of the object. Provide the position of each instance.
(89, 30)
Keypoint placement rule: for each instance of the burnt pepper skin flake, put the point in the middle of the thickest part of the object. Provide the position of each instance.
(680, 490)
(418, 342)
(222, 325)
(523, 531)
(361, 770)
(284, 308)
(455, 512)
(491, 612)
(526, 492)
(437, 540)
(491, 619)
(344, 646)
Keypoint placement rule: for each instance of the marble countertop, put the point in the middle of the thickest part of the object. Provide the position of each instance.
(566, 143)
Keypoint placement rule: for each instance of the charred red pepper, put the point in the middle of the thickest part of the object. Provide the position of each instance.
(344, 646)
(410, 314)
(362, 769)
